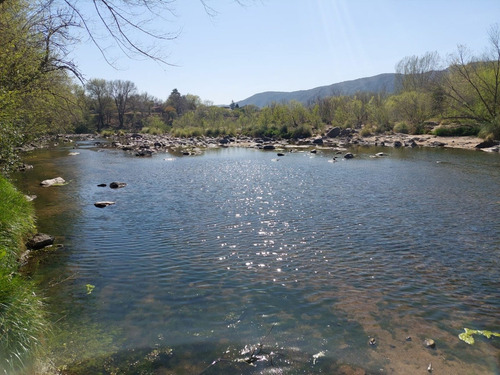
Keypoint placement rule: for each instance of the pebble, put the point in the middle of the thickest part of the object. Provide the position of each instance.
(429, 343)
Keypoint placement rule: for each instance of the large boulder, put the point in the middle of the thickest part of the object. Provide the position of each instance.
(39, 241)
(487, 144)
(318, 141)
(53, 182)
(334, 132)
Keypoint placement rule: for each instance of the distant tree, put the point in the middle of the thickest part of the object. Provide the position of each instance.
(121, 91)
(413, 107)
(177, 101)
(192, 102)
(98, 92)
(416, 73)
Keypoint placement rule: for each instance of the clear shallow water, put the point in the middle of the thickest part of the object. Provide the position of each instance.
(212, 254)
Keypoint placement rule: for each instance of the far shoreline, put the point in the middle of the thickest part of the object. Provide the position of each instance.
(148, 144)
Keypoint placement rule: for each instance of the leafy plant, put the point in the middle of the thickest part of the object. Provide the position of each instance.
(467, 336)
(90, 288)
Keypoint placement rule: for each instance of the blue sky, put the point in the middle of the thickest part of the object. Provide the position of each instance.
(288, 45)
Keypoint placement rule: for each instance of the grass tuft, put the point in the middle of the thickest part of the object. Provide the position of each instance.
(22, 317)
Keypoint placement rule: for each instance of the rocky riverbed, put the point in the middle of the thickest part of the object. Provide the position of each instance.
(144, 145)
(147, 145)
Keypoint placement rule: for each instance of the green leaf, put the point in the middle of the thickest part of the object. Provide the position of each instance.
(90, 288)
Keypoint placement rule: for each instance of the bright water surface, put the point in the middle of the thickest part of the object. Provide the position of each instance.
(204, 257)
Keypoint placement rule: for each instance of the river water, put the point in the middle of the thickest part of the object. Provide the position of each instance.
(240, 262)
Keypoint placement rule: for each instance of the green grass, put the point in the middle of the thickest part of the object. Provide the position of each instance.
(22, 318)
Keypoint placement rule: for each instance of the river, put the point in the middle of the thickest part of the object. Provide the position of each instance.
(239, 261)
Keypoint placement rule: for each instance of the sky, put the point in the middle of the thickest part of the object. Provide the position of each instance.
(289, 45)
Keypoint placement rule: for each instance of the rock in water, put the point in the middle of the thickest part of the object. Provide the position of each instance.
(53, 182)
(103, 204)
(117, 185)
(39, 241)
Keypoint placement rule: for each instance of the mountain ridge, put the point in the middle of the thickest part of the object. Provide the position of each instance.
(384, 82)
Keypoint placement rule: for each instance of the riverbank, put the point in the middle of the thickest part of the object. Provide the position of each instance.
(22, 319)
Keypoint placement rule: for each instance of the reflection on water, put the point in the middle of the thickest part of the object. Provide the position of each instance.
(202, 257)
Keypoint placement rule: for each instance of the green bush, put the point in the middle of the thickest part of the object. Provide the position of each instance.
(401, 127)
(456, 131)
(491, 131)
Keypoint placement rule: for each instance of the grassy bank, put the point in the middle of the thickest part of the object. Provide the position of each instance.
(22, 320)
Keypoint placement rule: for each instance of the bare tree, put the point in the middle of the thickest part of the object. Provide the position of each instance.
(417, 72)
(126, 24)
(473, 83)
(121, 91)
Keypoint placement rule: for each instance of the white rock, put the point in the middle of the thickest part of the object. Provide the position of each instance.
(53, 181)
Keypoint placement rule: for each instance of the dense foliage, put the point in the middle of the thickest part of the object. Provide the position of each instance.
(36, 94)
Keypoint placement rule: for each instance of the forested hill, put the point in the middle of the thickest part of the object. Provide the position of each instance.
(379, 83)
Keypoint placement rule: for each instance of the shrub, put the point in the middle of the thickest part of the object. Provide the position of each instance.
(401, 127)
(455, 131)
(491, 131)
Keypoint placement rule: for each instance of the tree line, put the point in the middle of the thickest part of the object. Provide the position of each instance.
(463, 98)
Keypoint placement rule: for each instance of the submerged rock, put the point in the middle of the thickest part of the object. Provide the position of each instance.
(24, 167)
(437, 144)
(39, 241)
(53, 182)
